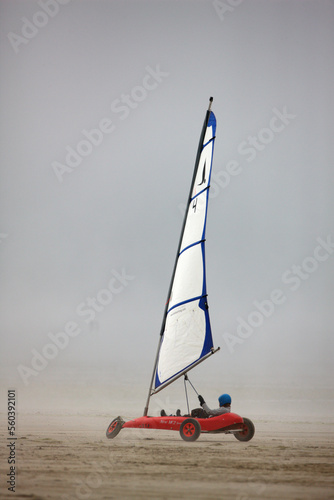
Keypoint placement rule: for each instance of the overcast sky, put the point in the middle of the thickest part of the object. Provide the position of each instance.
(84, 210)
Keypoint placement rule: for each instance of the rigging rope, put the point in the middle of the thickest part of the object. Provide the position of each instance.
(186, 377)
(185, 388)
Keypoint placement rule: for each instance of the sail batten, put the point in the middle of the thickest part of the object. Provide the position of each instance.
(186, 302)
(192, 245)
(198, 194)
(186, 337)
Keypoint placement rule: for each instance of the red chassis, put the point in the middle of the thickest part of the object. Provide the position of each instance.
(189, 428)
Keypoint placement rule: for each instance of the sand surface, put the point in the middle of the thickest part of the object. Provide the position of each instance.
(67, 456)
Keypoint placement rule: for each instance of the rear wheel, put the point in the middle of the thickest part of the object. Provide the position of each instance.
(114, 428)
(247, 432)
(190, 429)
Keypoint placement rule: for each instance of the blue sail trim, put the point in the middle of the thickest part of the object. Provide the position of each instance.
(208, 341)
(157, 380)
(212, 123)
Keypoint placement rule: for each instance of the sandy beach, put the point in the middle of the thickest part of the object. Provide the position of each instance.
(67, 456)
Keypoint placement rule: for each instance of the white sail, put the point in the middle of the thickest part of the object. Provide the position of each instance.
(186, 335)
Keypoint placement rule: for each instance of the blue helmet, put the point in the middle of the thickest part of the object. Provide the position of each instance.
(224, 399)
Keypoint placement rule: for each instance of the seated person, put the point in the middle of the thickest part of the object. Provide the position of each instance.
(224, 400)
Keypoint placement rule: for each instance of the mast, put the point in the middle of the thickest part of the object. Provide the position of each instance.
(199, 151)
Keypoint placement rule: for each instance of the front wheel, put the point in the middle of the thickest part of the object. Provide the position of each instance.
(190, 429)
(114, 428)
(247, 432)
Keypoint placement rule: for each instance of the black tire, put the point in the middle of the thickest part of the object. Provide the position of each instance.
(114, 427)
(190, 429)
(248, 431)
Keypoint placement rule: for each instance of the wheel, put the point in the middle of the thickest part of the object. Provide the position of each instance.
(248, 431)
(190, 429)
(114, 428)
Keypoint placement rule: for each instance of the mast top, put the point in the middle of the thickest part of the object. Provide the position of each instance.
(211, 99)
